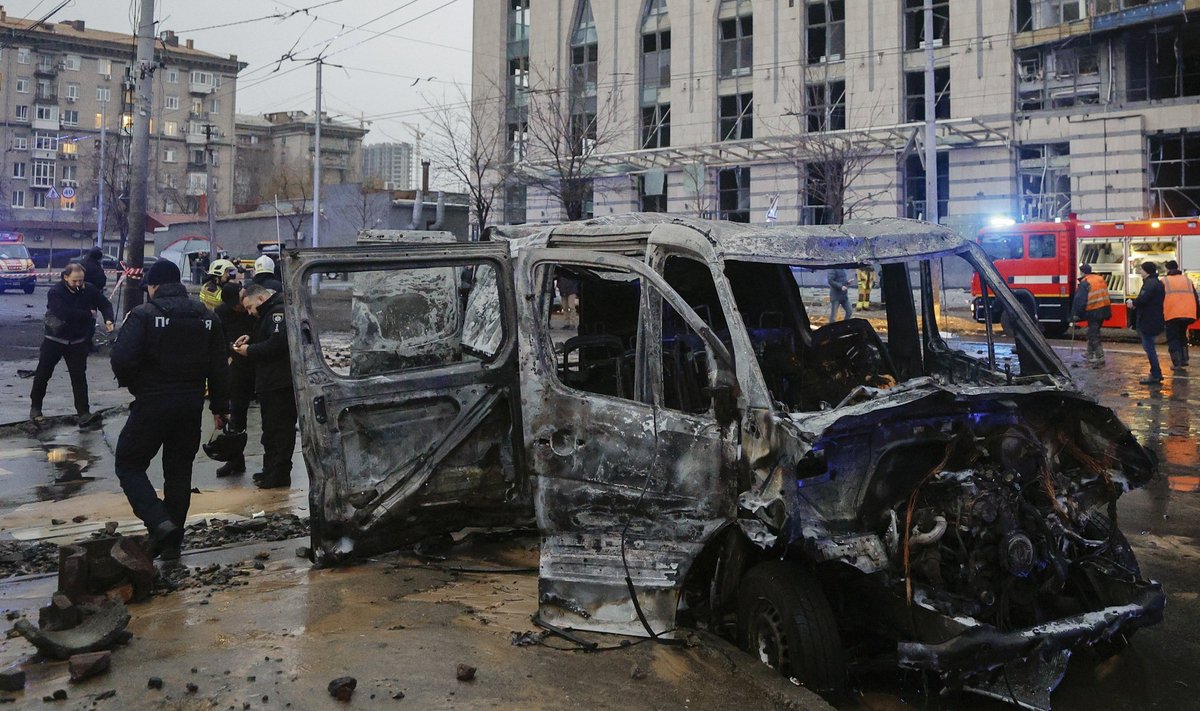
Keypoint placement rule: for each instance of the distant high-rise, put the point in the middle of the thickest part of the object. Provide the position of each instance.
(390, 163)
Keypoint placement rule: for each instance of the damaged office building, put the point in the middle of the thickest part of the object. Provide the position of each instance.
(704, 449)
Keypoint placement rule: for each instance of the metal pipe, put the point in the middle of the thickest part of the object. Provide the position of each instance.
(441, 212)
(417, 209)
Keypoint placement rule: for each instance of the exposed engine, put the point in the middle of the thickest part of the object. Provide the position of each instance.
(998, 531)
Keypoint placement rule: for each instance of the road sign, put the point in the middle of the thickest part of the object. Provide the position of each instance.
(51, 194)
(68, 192)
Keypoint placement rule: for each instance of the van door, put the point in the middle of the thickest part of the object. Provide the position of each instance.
(405, 375)
(629, 489)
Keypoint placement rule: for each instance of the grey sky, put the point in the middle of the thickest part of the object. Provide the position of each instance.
(380, 68)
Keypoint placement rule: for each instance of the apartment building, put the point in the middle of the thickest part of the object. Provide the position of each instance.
(729, 108)
(275, 152)
(63, 82)
(390, 164)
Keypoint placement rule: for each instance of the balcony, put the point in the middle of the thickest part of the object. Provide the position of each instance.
(194, 139)
(196, 166)
(198, 115)
(44, 124)
(43, 69)
(45, 97)
(199, 88)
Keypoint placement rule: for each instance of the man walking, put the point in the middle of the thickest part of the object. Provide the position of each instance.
(1092, 305)
(70, 323)
(165, 353)
(236, 322)
(839, 294)
(1148, 312)
(1179, 311)
(267, 351)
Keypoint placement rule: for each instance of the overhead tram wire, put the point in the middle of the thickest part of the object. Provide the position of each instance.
(272, 16)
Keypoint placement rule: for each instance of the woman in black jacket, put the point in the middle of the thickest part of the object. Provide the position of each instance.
(1148, 312)
(70, 323)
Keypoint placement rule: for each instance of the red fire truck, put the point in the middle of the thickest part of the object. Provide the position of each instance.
(1043, 258)
(16, 267)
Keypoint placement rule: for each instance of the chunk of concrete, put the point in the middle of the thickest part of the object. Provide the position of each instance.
(12, 680)
(97, 632)
(342, 688)
(60, 614)
(86, 666)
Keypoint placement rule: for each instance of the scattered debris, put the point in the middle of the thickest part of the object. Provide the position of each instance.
(192, 688)
(636, 672)
(12, 680)
(526, 639)
(110, 528)
(22, 373)
(57, 522)
(60, 614)
(398, 695)
(98, 631)
(106, 694)
(86, 666)
(79, 519)
(342, 688)
(465, 672)
(154, 683)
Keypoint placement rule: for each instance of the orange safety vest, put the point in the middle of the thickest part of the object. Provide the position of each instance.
(1180, 300)
(1097, 292)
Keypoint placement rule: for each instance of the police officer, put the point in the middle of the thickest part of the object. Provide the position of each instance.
(166, 351)
(236, 322)
(267, 351)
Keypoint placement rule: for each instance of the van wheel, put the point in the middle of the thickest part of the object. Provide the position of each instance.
(1055, 330)
(785, 620)
(29, 288)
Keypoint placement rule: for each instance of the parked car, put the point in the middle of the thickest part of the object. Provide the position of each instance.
(704, 449)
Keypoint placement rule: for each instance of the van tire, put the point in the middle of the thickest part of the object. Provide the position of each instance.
(29, 288)
(786, 622)
(1055, 330)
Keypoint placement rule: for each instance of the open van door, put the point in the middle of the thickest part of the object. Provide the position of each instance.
(406, 385)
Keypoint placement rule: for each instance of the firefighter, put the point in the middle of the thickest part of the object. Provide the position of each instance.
(221, 272)
(267, 351)
(1093, 305)
(165, 353)
(1179, 310)
(866, 282)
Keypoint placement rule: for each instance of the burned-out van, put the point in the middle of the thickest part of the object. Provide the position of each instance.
(703, 449)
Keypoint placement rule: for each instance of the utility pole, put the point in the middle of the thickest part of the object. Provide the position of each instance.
(209, 131)
(931, 167)
(143, 75)
(102, 163)
(316, 226)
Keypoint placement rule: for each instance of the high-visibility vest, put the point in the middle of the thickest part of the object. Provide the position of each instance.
(1180, 300)
(1097, 292)
(210, 294)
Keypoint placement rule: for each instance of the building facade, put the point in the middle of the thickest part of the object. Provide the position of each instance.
(390, 164)
(63, 85)
(734, 108)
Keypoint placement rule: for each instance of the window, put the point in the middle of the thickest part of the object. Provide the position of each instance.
(656, 126)
(824, 193)
(66, 203)
(171, 103)
(170, 128)
(172, 76)
(20, 143)
(518, 20)
(168, 155)
(205, 78)
(826, 108)
(1060, 77)
(197, 105)
(518, 81)
(914, 23)
(70, 117)
(45, 142)
(197, 157)
(1175, 174)
(99, 121)
(733, 194)
(736, 41)
(652, 191)
(583, 134)
(736, 117)
(214, 156)
(19, 169)
(104, 67)
(70, 175)
(39, 198)
(217, 81)
(24, 56)
(46, 113)
(43, 174)
(584, 53)
(914, 94)
(1044, 173)
(515, 195)
(656, 51)
(71, 62)
(1042, 246)
(103, 93)
(1163, 62)
(1002, 246)
(914, 187)
(71, 92)
(518, 141)
(69, 147)
(22, 85)
(22, 113)
(826, 30)
(214, 106)
(18, 198)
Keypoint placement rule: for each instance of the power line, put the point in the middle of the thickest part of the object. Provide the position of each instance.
(272, 16)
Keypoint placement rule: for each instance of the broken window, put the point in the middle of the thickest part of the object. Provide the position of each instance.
(1044, 173)
(583, 134)
(1175, 174)
(514, 204)
(518, 81)
(392, 319)
(1059, 77)
(652, 191)
(826, 106)
(518, 21)
(585, 52)
(914, 187)
(736, 116)
(826, 30)
(914, 23)
(735, 39)
(914, 94)
(819, 180)
(518, 141)
(733, 194)
(656, 126)
(656, 51)
(1163, 62)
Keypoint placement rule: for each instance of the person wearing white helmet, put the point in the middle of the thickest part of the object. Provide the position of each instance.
(264, 273)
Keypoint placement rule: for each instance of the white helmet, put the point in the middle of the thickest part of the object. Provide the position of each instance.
(264, 264)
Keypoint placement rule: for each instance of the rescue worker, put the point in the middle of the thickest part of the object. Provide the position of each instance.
(265, 274)
(866, 282)
(167, 350)
(1179, 311)
(1148, 318)
(93, 269)
(236, 322)
(839, 294)
(267, 351)
(70, 322)
(1092, 305)
(221, 272)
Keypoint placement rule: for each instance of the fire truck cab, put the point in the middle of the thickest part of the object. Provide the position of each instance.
(1043, 258)
(16, 266)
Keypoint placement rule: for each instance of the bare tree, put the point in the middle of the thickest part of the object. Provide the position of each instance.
(365, 210)
(568, 132)
(467, 143)
(292, 185)
(113, 163)
(701, 199)
(252, 174)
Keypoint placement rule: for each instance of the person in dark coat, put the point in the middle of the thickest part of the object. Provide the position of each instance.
(839, 294)
(168, 350)
(93, 268)
(267, 351)
(70, 324)
(1148, 312)
(236, 322)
